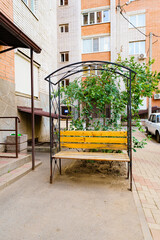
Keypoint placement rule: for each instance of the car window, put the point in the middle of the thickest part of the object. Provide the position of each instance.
(154, 118)
(150, 119)
(158, 118)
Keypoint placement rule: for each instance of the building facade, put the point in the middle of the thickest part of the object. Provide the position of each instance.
(37, 20)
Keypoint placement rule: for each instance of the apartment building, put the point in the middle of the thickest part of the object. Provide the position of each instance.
(69, 37)
(121, 27)
(36, 20)
(96, 30)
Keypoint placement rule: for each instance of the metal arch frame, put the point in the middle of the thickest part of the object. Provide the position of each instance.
(75, 68)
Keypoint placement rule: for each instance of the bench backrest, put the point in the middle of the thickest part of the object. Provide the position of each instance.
(114, 140)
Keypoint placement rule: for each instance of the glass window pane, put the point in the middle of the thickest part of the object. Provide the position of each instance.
(85, 19)
(87, 45)
(32, 5)
(99, 17)
(104, 44)
(141, 20)
(142, 47)
(67, 82)
(136, 48)
(61, 28)
(65, 2)
(62, 57)
(106, 16)
(92, 18)
(61, 2)
(95, 44)
(66, 28)
(66, 57)
(131, 48)
(132, 19)
(158, 118)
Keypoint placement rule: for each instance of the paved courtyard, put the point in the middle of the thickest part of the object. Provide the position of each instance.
(146, 174)
(79, 206)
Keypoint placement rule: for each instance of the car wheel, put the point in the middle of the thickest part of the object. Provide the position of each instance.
(158, 137)
(147, 131)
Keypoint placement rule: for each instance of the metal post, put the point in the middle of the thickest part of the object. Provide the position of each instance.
(150, 58)
(16, 127)
(128, 135)
(51, 137)
(66, 123)
(32, 106)
(59, 123)
(130, 131)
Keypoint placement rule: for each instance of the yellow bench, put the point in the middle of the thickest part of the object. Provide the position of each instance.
(114, 140)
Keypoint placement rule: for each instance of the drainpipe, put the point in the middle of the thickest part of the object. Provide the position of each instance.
(32, 107)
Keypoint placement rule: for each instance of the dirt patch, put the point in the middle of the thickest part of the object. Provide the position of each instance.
(96, 167)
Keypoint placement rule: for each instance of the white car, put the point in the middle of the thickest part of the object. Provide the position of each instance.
(152, 125)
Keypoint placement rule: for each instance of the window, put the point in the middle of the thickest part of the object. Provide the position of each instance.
(96, 17)
(85, 19)
(92, 20)
(99, 17)
(63, 2)
(64, 56)
(66, 110)
(30, 4)
(65, 82)
(158, 118)
(64, 28)
(137, 47)
(106, 16)
(137, 20)
(97, 44)
(154, 118)
(22, 71)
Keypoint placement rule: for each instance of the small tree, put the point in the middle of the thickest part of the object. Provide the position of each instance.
(95, 92)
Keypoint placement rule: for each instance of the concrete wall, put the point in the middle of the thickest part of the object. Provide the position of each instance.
(40, 27)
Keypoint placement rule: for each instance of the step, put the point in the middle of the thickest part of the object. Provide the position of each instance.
(9, 164)
(15, 174)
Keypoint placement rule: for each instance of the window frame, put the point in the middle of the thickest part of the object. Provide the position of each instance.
(65, 54)
(140, 52)
(136, 25)
(31, 4)
(63, 3)
(64, 82)
(95, 17)
(64, 27)
(99, 44)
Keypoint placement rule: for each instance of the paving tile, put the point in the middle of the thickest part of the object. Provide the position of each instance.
(146, 168)
(155, 234)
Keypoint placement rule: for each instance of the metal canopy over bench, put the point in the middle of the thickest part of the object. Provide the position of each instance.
(113, 140)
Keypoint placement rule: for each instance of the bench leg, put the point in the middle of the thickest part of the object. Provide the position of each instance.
(60, 169)
(130, 176)
(51, 171)
(128, 169)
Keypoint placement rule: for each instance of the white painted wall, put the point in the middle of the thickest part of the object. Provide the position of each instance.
(70, 41)
(41, 27)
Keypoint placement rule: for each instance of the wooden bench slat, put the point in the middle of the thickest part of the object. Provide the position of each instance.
(94, 133)
(122, 157)
(93, 139)
(95, 146)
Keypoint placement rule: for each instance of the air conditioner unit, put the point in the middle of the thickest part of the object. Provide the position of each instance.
(142, 56)
(157, 96)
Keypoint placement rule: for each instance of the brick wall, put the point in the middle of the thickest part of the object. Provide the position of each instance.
(94, 3)
(152, 12)
(7, 59)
